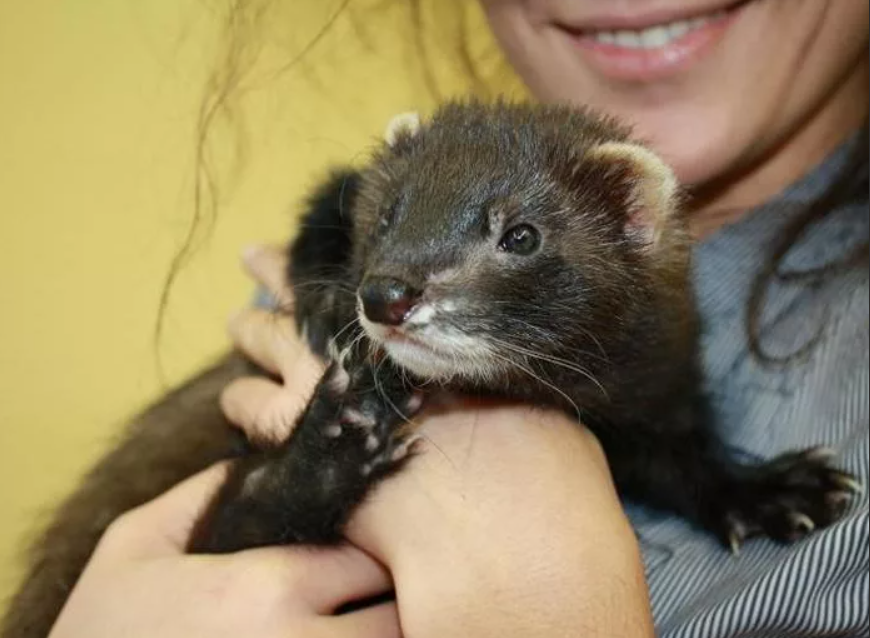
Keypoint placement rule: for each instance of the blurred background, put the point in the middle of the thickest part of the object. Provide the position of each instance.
(116, 118)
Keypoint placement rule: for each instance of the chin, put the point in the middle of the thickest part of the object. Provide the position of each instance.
(699, 145)
(438, 366)
(420, 360)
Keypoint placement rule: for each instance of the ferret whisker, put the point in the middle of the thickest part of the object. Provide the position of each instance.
(326, 283)
(440, 450)
(584, 353)
(356, 340)
(552, 359)
(380, 390)
(320, 312)
(352, 322)
(541, 380)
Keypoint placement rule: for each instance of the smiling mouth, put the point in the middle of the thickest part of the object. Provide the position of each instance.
(656, 36)
(635, 50)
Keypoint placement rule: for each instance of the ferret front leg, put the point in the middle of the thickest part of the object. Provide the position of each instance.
(785, 498)
(353, 434)
(691, 474)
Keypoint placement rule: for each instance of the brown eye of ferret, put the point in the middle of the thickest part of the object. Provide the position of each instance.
(520, 240)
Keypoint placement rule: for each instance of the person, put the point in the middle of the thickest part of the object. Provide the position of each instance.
(508, 523)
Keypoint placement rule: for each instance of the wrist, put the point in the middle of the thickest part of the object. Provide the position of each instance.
(507, 524)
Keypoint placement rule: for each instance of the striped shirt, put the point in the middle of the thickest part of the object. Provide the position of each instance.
(819, 586)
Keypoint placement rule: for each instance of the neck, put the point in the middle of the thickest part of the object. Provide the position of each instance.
(725, 200)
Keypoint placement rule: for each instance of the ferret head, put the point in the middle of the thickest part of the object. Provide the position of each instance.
(493, 238)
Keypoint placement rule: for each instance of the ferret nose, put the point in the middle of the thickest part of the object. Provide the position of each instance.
(386, 300)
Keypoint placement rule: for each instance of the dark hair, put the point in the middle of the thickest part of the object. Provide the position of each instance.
(450, 24)
(850, 186)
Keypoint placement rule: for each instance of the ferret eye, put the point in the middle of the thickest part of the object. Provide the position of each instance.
(520, 240)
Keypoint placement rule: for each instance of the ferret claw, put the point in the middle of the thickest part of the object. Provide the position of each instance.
(372, 443)
(340, 379)
(802, 522)
(835, 499)
(399, 453)
(333, 431)
(735, 540)
(848, 483)
(352, 416)
(404, 449)
(414, 403)
(736, 534)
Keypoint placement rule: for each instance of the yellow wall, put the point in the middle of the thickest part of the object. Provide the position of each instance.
(98, 101)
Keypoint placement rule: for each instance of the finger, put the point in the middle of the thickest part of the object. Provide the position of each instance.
(268, 266)
(269, 339)
(345, 576)
(381, 621)
(324, 578)
(263, 409)
(163, 526)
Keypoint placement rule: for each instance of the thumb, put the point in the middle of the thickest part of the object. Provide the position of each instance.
(164, 525)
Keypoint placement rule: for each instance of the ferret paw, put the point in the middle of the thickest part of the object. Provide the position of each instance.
(380, 424)
(364, 408)
(787, 498)
(388, 455)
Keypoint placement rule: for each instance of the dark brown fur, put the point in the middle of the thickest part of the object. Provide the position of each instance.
(611, 290)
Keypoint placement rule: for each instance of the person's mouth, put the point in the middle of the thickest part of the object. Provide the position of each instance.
(642, 48)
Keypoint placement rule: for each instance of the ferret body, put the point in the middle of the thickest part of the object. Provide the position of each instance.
(529, 252)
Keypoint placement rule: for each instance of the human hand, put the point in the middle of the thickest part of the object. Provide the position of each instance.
(140, 583)
(506, 524)
(268, 410)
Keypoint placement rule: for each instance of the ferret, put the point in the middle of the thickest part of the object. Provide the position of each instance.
(535, 253)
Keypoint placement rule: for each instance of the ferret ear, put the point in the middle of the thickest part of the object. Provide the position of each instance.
(652, 188)
(402, 127)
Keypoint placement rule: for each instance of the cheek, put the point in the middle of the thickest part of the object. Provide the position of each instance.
(774, 67)
(517, 27)
(733, 111)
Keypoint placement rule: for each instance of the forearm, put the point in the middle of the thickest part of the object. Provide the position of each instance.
(508, 525)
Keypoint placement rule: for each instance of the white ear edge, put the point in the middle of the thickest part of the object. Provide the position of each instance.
(659, 176)
(659, 185)
(403, 123)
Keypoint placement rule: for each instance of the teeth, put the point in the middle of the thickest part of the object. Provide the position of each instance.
(628, 39)
(679, 29)
(654, 37)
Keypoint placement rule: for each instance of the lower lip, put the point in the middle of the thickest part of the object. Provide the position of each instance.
(645, 65)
